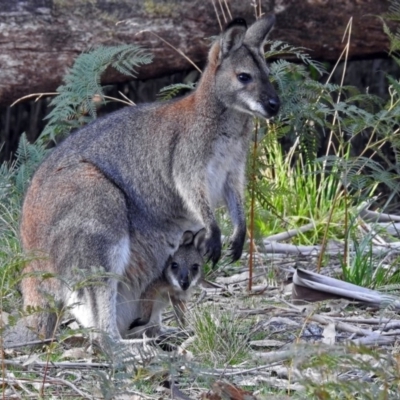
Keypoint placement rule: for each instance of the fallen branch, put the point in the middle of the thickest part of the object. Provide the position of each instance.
(290, 233)
(373, 216)
(65, 364)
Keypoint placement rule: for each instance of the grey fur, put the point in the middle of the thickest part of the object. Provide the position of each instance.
(120, 192)
(180, 277)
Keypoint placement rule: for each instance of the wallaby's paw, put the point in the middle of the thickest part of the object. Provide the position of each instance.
(213, 246)
(236, 244)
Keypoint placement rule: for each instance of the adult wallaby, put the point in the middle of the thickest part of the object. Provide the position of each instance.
(120, 192)
(181, 275)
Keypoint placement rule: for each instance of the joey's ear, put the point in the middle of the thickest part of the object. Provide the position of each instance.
(199, 239)
(187, 238)
(168, 262)
(257, 33)
(233, 36)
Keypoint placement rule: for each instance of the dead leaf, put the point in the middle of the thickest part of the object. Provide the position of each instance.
(4, 318)
(329, 334)
(228, 391)
(75, 340)
(76, 353)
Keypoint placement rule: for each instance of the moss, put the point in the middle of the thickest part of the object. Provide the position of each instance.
(156, 8)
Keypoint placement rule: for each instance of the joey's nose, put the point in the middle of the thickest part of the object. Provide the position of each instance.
(185, 284)
(273, 105)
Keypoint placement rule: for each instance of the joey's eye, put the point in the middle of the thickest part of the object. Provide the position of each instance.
(195, 267)
(174, 265)
(244, 78)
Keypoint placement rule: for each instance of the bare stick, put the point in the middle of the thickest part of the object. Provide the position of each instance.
(216, 13)
(60, 381)
(38, 95)
(27, 344)
(173, 47)
(290, 233)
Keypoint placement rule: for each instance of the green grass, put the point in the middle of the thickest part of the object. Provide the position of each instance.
(297, 193)
(221, 338)
(364, 268)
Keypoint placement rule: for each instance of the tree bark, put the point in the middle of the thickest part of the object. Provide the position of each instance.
(39, 39)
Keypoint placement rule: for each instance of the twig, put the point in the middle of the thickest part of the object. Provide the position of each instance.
(11, 380)
(172, 47)
(367, 321)
(60, 381)
(227, 7)
(340, 325)
(66, 364)
(252, 206)
(216, 13)
(127, 98)
(376, 238)
(275, 356)
(129, 103)
(222, 10)
(27, 344)
(38, 95)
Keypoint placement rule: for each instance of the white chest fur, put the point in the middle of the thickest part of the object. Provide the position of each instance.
(227, 162)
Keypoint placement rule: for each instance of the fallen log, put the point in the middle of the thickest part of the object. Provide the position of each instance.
(39, 39)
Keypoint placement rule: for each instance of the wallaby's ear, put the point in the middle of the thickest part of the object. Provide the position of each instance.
(233, 36)
(230, 39)
(187, 238)
(257, 33)
(199, 239)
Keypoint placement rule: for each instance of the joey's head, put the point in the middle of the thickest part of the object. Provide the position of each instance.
(184, 268)
(241, 72)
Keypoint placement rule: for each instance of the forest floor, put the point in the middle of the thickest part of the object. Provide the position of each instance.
(239, 344)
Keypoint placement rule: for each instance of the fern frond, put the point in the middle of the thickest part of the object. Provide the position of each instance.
(171, 91)
(82, 93)
(15, 176)
(279, 49)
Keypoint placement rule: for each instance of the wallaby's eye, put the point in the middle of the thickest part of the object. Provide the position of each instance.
(174, 265)
(244, 78)
(195, 267)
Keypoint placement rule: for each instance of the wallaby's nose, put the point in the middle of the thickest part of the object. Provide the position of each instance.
(273, 105)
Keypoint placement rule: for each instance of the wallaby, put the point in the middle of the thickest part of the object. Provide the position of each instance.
(181, 275)
(120, 192)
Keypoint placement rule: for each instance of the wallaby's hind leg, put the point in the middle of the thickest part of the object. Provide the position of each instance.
(94, 307)
(77, 219)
